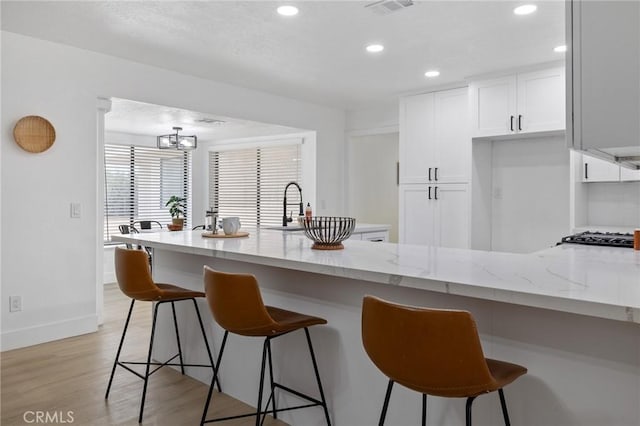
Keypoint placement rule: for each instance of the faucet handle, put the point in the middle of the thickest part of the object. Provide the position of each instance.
(290, 218)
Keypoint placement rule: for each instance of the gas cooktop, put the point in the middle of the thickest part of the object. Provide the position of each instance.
(612, 239)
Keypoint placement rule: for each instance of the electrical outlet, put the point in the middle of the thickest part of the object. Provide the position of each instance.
(15, 303)
(497, 193)
(76, 210)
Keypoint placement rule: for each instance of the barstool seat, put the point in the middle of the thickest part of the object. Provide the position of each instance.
(432, 351)
(237, 306)
(134, 279)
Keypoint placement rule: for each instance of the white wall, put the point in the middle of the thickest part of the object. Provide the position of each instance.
(383, 117)
(372, 195)
(53, 262)
(521, 194)
(613, 204)
(530, 206)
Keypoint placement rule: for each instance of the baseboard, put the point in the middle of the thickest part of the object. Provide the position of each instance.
(30, 336)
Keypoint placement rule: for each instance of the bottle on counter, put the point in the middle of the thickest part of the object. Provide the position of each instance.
(307, 212)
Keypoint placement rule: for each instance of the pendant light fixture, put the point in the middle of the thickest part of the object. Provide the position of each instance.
(177, 141)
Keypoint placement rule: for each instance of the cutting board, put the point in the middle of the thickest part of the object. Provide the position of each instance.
(239, 234)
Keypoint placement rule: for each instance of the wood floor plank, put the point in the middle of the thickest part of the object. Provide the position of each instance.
(72, 375)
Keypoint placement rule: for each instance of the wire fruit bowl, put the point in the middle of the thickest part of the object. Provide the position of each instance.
(328, 232)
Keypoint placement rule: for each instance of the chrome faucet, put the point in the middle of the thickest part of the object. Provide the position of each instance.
(286, 219)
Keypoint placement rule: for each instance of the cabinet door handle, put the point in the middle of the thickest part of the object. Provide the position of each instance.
(435, 174)
(586, 171)
(429, 174)
(519, 123)
(435, 193)
(429, 192)
(511, 122)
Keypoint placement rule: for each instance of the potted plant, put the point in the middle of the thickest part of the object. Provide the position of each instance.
(176, 209)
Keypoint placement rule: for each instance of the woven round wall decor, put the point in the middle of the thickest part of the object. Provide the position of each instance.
(34, 133)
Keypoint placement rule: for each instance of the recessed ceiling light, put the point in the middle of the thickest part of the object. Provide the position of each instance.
(287, 10)
(525, 9)
(375, 48)
(432, 73)
(560, 49)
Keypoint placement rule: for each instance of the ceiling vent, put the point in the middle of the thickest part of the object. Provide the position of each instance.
(384, 7)
(210, 121)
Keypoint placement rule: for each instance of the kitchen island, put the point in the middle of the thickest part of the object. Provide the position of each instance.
(571, 314)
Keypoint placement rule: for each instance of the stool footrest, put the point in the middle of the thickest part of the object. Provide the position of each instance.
(298, 394)
(314, 401)
(159, 364)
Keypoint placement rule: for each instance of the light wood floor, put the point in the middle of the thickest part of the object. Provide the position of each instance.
(72, 374)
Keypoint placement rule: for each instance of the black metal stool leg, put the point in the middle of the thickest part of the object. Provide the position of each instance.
(175, 325)
(315, 369)
(468, 409)
(424, 409)
(115, 363)
(503, 404)
(273, 388)
(387, 397)
(214, 379)
(206, 342)
(146, 375)
(264, 358)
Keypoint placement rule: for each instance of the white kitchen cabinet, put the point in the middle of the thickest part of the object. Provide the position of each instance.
(417, 130)
(376, 237)
(597, 170)
(518, 104)
(628, 175)
(452, 143)
(604, 66)
(434, 137)
(435, 214)
(493, 105)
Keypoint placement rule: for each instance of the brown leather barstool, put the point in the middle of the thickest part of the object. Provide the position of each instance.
(236, 305)
(432, 351)
(134, 279)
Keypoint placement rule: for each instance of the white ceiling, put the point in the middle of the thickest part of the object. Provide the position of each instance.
(316, 56)
(140, 118)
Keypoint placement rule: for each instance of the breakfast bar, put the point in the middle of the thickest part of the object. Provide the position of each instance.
(570, 314)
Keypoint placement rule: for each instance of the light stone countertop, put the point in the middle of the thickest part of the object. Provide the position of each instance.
(596, 281)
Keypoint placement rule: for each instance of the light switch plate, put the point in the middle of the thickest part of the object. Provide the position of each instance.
(15, 303)
(76, 210)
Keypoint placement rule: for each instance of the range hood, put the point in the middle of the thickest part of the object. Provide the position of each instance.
(603, 82)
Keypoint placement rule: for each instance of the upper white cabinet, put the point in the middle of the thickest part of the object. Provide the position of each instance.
(604, 65)
(597, 170)
(417, 134)
(627, 175)
(520, 103)
(434, 137)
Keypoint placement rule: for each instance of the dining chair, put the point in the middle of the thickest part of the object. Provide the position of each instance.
(148, 224)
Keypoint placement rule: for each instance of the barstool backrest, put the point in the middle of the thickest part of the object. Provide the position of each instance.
(236, 303)
(432, 351)
(134, 276)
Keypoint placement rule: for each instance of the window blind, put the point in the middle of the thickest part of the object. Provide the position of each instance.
(138, 183)
(249, 183)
